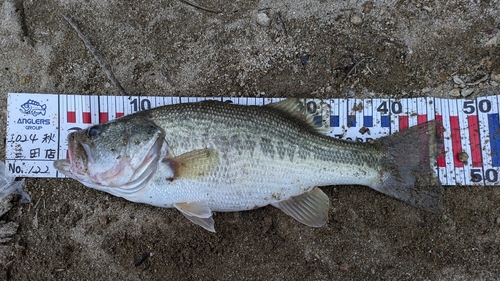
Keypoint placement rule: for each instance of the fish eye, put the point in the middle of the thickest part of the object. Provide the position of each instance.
(94, 130)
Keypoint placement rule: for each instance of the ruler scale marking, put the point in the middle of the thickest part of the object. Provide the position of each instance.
(491, 175)
(456, 139)
(466, 141)
(412, 112)
(441, 161)
(472, 127)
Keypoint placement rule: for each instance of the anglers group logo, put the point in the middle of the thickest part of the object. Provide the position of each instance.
(33, 107)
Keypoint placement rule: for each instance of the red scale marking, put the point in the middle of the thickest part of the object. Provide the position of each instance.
(421, 118)
(456, 142)
(403, 122)
(119, 114)
(475, 144)
(441, 162)
(103, 117)
(86, 117)
(71, 117)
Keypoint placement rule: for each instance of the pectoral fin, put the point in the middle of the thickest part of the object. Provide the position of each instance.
(310, 208)
(193, 164)
(197, 212)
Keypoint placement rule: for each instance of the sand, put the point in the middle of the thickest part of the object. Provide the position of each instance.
(311, 48)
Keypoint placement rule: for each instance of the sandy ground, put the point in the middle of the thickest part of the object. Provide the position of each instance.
(399, 48)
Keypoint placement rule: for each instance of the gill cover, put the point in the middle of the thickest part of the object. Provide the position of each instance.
(118, 157)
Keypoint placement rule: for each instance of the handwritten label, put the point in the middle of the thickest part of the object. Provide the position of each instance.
(32, 138)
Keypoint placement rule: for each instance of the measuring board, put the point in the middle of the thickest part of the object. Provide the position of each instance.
(38, 125)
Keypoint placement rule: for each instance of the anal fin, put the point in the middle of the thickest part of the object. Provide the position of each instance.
(310, 208)
(198, 213)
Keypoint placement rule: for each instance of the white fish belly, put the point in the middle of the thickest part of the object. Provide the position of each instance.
(244, 185)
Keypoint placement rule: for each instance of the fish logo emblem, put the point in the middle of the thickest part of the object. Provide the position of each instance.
(33, 107)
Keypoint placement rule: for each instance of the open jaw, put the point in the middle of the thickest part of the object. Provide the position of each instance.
(121, 179)
(71, 167)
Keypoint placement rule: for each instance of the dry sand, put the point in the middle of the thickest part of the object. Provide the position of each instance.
(170, 48)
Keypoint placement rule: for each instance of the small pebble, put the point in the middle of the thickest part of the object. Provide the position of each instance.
(356, 20)
(427, 8)
(103, 220)
(495, 77)
(142, 258)
(454, 93)
(426, 90)
(24, 80)
(466, 92)
(367, 7)
(304, 59)
(463, 157)
(364, 130)
(492, 42)
(351, 93)
(457, 80)
(498, 220)
(344, 267)
(263, 19)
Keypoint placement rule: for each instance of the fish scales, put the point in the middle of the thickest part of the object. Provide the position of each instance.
(213, 156)
(312, 156)
(272, 132)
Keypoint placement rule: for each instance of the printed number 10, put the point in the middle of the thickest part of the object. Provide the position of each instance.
(145, 104)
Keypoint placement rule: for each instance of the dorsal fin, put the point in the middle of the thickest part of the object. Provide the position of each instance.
(313, 112)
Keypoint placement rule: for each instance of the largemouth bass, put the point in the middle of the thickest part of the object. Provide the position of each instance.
(213, 156)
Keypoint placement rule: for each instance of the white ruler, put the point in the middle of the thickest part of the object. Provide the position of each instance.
(38, 125)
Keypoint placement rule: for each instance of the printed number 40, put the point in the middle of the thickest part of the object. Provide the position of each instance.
(490, 175)
(396, 107)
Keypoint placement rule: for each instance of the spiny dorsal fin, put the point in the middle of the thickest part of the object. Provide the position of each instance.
(198, 213)
(310, 208)
(312, 111)
(193, 164)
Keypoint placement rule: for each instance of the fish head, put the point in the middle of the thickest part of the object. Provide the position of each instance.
(123, 153)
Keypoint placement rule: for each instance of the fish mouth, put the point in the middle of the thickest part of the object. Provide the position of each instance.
(72, 166)
(78, 165)
(63, 166)
(123, 174)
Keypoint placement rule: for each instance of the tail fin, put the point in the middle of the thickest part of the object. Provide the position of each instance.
(407, 171)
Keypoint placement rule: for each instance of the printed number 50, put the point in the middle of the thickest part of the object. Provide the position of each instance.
(484, 106)
(490, 175)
